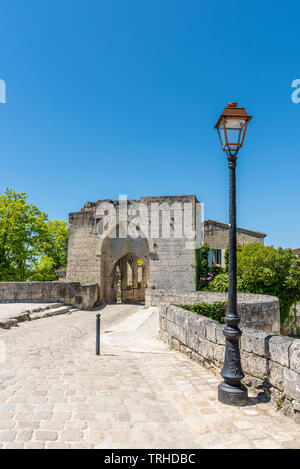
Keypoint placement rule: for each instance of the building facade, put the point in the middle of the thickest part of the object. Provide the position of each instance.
(216, 235)
(126, 246)
(296, 252)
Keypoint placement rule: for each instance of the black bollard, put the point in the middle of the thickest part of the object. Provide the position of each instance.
(98, 334)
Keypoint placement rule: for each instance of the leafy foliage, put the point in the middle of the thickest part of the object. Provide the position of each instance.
(216, 310)
(201, 259)
(220, 284)
(31, 246)
(43, 270)
(204, 273)
(265, 270)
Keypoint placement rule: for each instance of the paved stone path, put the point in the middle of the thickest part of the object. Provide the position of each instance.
(56, 393)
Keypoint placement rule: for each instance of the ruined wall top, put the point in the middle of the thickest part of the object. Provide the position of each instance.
(91, 206)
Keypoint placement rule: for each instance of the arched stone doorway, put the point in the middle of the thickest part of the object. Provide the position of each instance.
(129, 279)
(124, 268)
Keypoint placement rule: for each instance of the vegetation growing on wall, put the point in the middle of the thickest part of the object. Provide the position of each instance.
(202, 270)
(291, 326)
(31, 246)
(204, 273)
(216, 310)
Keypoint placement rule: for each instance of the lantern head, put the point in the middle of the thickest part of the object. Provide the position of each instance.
(232, 125)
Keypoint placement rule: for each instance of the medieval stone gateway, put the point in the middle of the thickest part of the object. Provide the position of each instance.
(128, 246)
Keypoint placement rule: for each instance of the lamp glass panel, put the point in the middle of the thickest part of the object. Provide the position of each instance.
(234, 131)
(222, 136)
(235, 123)
(234, 136)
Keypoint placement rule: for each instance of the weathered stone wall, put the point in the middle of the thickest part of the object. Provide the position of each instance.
(168, 253)
(256, 311)
(81, 296)
(172, 265)
(172, 259)
(83, 263)
(271, 362)
(216, 235)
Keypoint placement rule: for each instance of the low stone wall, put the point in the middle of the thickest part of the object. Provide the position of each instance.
(81, 296)
(271, 362)
(256, 311)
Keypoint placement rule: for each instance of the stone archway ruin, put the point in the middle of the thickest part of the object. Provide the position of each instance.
(128, 280)
(124, 269)
(160, 231)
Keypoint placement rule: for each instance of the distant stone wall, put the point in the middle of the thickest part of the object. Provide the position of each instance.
(81, 296)
(256, 311)
(271, 362)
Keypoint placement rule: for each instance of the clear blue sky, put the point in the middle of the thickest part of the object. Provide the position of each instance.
(121, 97)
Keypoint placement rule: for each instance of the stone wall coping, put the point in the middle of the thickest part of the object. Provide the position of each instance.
(241, 297)
(50, 282)
(260, 312)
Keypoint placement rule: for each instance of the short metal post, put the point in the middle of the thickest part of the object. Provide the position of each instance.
(98, 334)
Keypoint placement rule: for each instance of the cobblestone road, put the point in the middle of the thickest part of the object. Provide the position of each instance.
(55, 393)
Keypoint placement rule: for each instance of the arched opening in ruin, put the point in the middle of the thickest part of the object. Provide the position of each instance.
(128, 279)
(124, 268)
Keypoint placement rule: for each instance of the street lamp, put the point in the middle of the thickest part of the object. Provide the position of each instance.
(232, 125)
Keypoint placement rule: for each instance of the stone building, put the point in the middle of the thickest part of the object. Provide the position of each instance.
(296, 252)
(216, 235)
(126, 246)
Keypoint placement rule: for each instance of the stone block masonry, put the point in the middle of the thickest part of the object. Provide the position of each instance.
(72, 293)
(271, 362)
(256, 311)
(160, 231)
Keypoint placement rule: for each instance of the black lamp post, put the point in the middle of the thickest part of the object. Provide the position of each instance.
(232, 126)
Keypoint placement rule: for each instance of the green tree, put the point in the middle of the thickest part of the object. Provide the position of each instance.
(53, 249)
(56, 247)
(30, 244)
(43, 270)
(265, 270)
